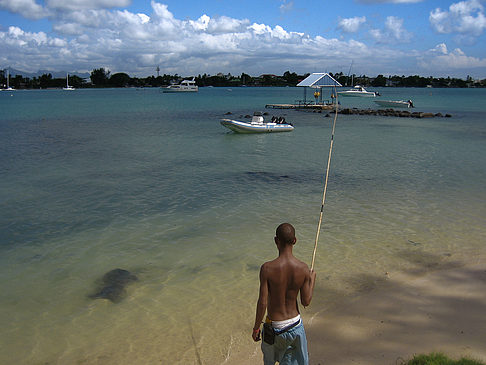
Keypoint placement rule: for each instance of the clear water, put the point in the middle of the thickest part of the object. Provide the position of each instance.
(93, 180)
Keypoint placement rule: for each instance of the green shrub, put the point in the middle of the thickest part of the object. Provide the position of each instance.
(441, 359)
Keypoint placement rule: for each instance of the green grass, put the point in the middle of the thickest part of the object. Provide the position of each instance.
(440, 359)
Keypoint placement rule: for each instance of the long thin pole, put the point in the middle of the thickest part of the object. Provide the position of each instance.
(327, 179)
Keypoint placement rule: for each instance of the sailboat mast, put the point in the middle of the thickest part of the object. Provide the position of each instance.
(349, 71)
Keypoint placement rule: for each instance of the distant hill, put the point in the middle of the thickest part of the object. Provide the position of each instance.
(55, 74)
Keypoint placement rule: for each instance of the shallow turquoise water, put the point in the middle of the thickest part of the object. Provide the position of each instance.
(93, 180)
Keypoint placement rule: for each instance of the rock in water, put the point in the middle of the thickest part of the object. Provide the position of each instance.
(114, 283)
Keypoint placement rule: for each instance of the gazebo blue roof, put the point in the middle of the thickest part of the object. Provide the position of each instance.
(318, 80)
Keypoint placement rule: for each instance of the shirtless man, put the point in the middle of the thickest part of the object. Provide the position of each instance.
(281, 280)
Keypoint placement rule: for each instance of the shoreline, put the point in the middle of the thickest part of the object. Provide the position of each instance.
(410, 313)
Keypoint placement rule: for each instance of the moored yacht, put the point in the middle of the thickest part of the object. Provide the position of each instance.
(184, 86)
(358, 90)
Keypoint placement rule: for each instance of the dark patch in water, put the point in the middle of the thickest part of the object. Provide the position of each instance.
(276, 178)
(252, 267)
(314, 178)
(199, 268)
(422, 260)
(414, 243)
(113, 285)
(364, 283)
(266, 176)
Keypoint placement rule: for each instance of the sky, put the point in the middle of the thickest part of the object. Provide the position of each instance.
(436, 38)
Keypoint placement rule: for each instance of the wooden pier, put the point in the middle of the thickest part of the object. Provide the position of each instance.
(301, 106)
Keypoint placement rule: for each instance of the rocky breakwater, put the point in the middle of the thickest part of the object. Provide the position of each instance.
(391, 113)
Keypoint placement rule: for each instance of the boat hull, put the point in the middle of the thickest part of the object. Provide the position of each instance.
(358, 91)
(357, 94)
(243, 127)
(174, 90)
(393, 103)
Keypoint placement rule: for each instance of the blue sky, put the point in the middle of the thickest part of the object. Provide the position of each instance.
(190, 37)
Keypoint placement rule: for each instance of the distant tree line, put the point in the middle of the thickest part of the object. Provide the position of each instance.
(101, 78)
(409, 81)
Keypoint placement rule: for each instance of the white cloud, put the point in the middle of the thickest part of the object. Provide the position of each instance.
(226, 25)
(351, 25)
(27, 8)
(393, 32)
(163, 20)
(439, 49)
(201, 24)
(68, 28)
(465, 17)
(96, 19)
(122, 41)
(440, 59)
(264, 32)
(260, 28)
(135, 43)
(57, 42)
(25, 38)
(25, 47)
(144, 18)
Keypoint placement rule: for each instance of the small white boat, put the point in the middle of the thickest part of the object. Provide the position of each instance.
(395, 103)
(184, 86)
(68, 87)
(358, 91)
(258, 125)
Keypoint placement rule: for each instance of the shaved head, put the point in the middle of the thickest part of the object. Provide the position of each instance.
(286, 233)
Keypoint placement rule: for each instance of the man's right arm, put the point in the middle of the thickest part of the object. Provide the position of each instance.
(261, 304)
(308, 288)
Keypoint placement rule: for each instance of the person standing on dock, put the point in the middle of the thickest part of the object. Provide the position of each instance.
(281, 280)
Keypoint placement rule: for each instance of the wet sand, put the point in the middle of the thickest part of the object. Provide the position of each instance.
(405, 314)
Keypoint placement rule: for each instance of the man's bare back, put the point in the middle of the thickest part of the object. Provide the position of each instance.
(281, 280)
(285, 277)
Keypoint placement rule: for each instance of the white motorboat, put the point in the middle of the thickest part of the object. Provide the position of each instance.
(358, 91)
(258, 125)
(184, 86)
(395, 103)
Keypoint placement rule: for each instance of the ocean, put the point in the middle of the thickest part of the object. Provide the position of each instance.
(97, 179)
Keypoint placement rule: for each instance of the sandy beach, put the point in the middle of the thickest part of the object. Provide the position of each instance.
(405, 314)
